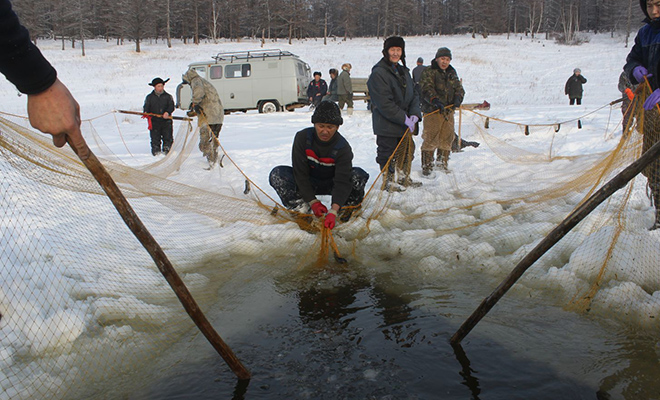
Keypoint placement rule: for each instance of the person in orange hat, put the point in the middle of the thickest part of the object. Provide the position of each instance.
(160, 128)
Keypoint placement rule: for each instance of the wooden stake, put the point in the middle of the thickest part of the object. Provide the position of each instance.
(163, 263)
(553, 237)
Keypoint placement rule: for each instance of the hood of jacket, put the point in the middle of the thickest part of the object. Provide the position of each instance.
(190, 75)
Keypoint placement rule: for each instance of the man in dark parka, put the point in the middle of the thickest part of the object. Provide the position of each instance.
(395, 107)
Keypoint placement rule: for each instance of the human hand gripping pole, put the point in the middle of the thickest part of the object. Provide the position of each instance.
(157, 254)
(411, 121)
(639, 72)
(652, 100)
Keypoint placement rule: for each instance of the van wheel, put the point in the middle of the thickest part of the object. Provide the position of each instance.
(269, 106)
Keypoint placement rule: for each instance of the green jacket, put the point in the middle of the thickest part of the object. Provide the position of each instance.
(443, 85)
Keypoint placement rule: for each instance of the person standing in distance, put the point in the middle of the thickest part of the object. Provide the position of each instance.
(573, 88)
(51, 107)
(160, 129)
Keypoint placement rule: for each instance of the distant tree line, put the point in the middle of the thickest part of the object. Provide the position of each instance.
(195, 20)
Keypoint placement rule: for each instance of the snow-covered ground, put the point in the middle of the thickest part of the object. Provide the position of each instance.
(522, 78)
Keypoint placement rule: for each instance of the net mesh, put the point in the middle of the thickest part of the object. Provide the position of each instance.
(80, 299)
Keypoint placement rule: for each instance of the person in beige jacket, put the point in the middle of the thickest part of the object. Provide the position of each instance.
(207, 106)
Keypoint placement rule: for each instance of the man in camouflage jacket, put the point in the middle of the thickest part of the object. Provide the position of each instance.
(442, 94)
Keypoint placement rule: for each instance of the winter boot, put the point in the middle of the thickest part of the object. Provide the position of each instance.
(444, 160)
(427, 162)
(407, 182)
(388, 183)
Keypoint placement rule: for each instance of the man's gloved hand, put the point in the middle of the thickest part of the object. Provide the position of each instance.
(197, 109)
(318, 209)
(411, 121)
(639, 72)
(652, 100)
(438, 104)
(457, 102)
(330, 219)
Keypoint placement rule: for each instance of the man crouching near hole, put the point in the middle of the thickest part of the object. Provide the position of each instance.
(322, 165)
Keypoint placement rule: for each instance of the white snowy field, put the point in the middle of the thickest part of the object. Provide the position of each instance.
(522, 78)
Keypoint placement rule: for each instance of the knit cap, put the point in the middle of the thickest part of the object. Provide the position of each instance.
(327, 112)
(443, 52)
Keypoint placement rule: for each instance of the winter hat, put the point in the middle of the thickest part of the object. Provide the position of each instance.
(395, 41)
(327, 112)
(576, 70)
(346, 66)
(333, 71)
(443, 52)
(317, 73)
(420, 60)
(156, 81)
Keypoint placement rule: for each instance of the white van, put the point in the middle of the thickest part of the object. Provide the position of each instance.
(266, 80)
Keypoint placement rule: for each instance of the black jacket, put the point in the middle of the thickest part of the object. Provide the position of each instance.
(573, 87)
(159, 104)
(323, 161)
(20, 60)
(393, 97)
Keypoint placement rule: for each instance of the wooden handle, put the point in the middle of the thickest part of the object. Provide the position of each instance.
(163, 263)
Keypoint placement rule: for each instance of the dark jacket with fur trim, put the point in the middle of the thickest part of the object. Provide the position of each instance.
(393, 97)
(332, 160)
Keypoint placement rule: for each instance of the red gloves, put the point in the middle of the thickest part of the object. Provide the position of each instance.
(330, 219)
(318, 209)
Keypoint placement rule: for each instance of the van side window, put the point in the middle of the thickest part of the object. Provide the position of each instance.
(216, 72)
(238, 70)
(301, 71)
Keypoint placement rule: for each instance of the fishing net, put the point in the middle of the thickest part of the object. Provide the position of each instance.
(82, 301)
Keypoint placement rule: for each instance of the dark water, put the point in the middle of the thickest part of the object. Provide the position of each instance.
(372, 333)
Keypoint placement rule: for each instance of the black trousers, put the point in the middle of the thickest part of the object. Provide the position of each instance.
(282, 180)
(574, 100)
(161, 132)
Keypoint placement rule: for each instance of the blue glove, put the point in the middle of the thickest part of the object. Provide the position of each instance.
(652, 100)
(438, 104)
(457, 102)
(411, 121)
(639, 72)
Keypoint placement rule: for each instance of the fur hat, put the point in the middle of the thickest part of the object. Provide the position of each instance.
(327, 112)
(346, 66)
(576, 70)
(317, 73)
(443, 52)
(333, 71)
(156, 81)
(395, 41)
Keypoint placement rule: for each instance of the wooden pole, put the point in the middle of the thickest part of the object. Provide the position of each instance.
(553, 237)
(163, 263)
(154, 115)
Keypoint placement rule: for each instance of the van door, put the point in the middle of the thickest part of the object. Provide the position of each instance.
(237, 87)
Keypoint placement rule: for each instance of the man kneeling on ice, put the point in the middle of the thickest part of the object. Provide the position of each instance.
(322, 165)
